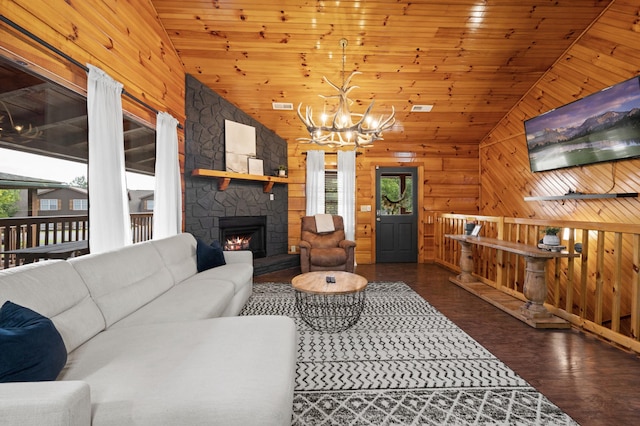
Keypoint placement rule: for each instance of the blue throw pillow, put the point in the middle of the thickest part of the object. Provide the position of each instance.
(209, 256)
(31, 349)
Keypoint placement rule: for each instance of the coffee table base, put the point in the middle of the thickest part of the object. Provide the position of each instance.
(330, 313)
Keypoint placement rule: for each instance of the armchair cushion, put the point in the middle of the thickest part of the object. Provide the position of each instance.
(32, 348)
(327, 257)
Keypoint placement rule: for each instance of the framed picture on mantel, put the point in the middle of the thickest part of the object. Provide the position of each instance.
(255, 166)
(239, 146)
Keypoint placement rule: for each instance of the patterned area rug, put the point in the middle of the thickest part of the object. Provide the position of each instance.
(403, 363)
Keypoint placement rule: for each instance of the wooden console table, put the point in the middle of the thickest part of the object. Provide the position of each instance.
(533, 311)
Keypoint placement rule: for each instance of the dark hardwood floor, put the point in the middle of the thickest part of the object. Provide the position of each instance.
(591, 380)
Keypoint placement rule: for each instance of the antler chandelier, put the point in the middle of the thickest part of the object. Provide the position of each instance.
(345, 128)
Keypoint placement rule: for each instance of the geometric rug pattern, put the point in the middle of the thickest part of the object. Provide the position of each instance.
(403, 363)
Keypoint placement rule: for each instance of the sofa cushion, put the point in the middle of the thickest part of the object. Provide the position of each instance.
(198, 300)
(227, 371)
(55, 290)
(123, 280)
(32, 348)
(179, 255)
(209, 256)
(241, 277)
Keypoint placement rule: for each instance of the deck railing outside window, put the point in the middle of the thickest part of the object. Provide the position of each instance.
(33, 231)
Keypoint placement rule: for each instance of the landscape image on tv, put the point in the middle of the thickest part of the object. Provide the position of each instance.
(601, 127)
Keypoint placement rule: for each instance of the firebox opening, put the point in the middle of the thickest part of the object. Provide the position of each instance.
(244, 233)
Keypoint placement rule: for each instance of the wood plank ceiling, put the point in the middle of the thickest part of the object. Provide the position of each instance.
(471, 59)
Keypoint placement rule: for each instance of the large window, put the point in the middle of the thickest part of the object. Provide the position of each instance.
(44, 139)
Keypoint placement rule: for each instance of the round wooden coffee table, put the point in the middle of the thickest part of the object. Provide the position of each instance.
(326, 306)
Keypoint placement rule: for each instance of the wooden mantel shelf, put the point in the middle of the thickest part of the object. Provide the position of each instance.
(224, 178)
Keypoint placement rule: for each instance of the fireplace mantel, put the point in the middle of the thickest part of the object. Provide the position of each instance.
(224, 178)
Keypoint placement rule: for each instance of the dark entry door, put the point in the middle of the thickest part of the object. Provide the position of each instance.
(396, 214)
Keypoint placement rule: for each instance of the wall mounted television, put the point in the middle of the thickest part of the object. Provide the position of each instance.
(604, 126)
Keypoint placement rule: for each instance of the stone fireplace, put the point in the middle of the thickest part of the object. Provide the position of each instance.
(207, 206)
(244, 233)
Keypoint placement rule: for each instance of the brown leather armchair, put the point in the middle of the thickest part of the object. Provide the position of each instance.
(327, 251)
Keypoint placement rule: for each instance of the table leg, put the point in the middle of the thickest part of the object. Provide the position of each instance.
(535, 288)
(466, 263)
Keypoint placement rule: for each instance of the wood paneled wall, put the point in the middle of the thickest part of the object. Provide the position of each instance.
(125, 39)
(450, 183)
(607, 53)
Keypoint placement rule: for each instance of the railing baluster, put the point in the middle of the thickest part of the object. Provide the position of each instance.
(599, 278)
(570, 266)
(617, 286)
(584, 274)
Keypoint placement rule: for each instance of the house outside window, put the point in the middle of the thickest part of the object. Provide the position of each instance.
(148, 205)
(49, 204)
(80, 204)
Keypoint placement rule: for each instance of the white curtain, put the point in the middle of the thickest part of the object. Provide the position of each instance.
(109, 220)
(347, 191)
(315, 182)
(167, 206)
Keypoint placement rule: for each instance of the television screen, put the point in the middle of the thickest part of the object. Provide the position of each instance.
(604, 126)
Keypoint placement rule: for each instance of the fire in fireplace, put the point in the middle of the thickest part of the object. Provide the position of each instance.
(244, 233)
(237, 243)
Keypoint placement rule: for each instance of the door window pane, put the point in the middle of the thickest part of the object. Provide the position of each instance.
(395, 194)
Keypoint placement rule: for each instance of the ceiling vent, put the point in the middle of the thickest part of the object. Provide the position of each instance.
(421, 108)
(287, 106)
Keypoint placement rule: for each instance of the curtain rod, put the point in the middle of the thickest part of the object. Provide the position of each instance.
(332, 153)
(70, 59)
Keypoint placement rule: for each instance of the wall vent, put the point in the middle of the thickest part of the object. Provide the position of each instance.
(287, 106)
(421, 108)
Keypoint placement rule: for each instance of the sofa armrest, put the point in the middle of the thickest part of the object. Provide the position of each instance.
(63, 403)
(240, 256)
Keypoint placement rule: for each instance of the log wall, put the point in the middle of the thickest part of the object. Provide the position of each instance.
(606, 54)
(125, 39)
(450, 183)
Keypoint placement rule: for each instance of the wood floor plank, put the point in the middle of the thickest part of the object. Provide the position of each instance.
(593, 381)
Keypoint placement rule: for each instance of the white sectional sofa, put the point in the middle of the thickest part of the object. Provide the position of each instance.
(151, 341)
